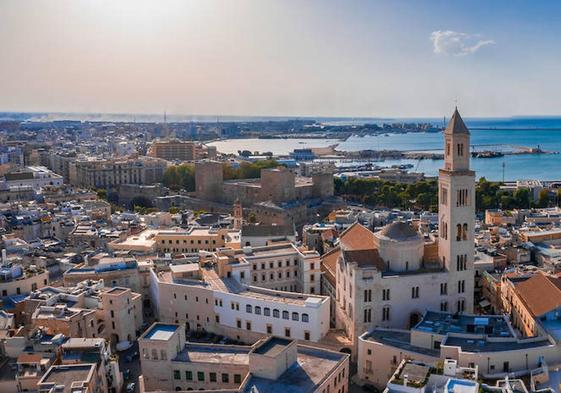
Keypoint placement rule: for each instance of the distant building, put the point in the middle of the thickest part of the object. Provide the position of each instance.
(177, 150)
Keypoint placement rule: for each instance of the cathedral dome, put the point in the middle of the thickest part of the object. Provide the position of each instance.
(400, 231)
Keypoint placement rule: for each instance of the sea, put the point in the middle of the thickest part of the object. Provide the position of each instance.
(502, 134)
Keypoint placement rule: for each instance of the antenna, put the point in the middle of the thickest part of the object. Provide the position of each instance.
(504, 165)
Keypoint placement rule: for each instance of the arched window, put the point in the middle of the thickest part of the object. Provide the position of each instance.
(285, 315)
(267, 311)
(305, 318)
(276, 313)
(258, 310)
(295, 316)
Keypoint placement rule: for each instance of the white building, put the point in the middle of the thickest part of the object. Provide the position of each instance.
(35, 177)
(203, 300)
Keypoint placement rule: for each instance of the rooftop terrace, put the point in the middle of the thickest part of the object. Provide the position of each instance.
(444, 323)
(160, 331)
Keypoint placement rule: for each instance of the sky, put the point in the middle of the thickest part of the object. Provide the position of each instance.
(281, 58)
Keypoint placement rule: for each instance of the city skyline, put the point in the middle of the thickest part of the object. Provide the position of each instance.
(249, 58)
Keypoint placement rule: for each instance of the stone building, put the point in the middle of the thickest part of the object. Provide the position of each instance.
(390, 277)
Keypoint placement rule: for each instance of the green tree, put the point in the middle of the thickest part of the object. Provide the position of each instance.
(543, 198)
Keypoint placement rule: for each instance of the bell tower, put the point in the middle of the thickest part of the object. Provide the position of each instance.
(456, 213)
(238, 215)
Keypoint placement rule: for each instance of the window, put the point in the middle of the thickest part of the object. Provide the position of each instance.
(189, 375)
(257, 310)
(368, 295)
(458, 232)
(305, 318)
(385, 294)
(269, 329)
(176, 374)
(267, 311)
(444, 196)
(386, 313)
(237, 378)
(239, 323)
(247, 325)
(225, 378)
(415, 293)
(285, 315)
(163, 355)
(248, 308)
(460, 305)
(462, 197)
(306, 335)
(461, 262)
(460, 149)
(444, 230)
(444, 306)
(367, 315)
(443, 288)
(212, 377)
(461, 286)
(154, 354)
(276, 313)
(287, 332)
(200, 376)
(465, 232)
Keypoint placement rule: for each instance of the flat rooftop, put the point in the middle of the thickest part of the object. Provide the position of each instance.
(444, 323)
(64, 376)
(160, 331)
(311, 368)
(219, 354)
(483, 345)
(398, 339)
(230, 285)
(272, 347)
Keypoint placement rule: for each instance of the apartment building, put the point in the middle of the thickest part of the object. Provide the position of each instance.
(177, 150)
(533, 302)
(195, 239)
(282, 267)
(16, 279)
(169, 363)
(221, 304)
(110, 173)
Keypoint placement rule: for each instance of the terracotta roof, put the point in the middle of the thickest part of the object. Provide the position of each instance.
(364, 258)
(456, 125)
(541, 293)
(357, 237)
(329, 264)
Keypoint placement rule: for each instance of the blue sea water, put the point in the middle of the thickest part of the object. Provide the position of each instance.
(500, 134)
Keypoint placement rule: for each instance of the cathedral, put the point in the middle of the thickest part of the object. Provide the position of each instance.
(391, 277)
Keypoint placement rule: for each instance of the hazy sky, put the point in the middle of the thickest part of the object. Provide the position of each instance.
(329, 58)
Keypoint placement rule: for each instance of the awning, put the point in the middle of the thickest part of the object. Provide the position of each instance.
(484, 303)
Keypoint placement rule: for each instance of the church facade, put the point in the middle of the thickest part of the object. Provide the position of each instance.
(391, 277)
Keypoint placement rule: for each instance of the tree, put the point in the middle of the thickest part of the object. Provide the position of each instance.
(141, 202)
(543, 198)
